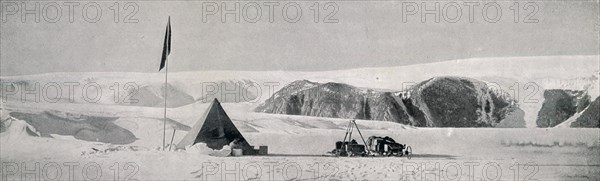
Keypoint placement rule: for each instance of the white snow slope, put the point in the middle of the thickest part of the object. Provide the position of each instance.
(524, 78)
(297, 143)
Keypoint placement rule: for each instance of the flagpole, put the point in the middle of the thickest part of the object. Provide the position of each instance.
(165, 63)
(165, 115)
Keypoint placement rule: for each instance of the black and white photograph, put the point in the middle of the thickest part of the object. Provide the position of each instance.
(438, 90)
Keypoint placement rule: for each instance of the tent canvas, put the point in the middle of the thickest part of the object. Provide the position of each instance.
(216, 130)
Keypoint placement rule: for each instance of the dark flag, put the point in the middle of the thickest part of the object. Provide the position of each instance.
(166, 47)
(163, 63)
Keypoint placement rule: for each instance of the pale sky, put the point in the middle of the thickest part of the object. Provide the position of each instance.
(368, 34)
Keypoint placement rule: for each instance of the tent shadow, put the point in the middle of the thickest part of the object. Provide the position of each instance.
(436, 156)
(433, 156)
(292, 155)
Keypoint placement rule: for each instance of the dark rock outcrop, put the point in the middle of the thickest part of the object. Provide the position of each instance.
(458, 102)
(590, 117)
(334, 100)
(438, 102)
(559, 105)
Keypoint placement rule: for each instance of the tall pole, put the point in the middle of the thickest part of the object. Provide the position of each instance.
(359, 133)
(165, 114)
(164, 63)
(365, 108)
(172, 137)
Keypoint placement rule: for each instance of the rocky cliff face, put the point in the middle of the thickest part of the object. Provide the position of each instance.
(458, 102)
(438, 102)
(590, 117)
(559, 105)
(334, 100)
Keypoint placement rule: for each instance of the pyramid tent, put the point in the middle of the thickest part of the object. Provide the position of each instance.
(216, 130)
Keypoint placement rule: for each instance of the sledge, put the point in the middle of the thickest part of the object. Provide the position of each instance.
(375, 146)
(350, 147)
(386, 146)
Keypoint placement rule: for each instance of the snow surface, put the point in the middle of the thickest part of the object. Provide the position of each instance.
(298, 144)
(563, 154)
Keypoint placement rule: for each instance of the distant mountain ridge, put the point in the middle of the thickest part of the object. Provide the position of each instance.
(576, 72)
(334, 100)
(559, 105)
(437, 102)
(590, 117)
(459, 102)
